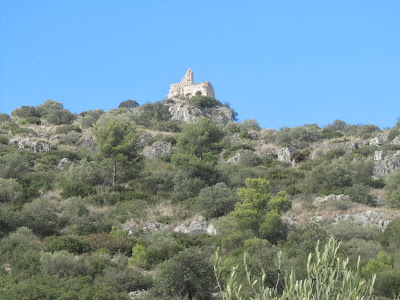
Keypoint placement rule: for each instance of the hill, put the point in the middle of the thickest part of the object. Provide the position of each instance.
(133, 202)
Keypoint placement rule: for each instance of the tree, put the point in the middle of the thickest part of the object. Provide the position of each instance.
(128, 104)
(258, 211)
(117, 142)
(329, 276)
(216, 201)
(198, 149)
(189, 273)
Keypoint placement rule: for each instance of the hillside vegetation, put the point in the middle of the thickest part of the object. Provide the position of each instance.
(137, 203)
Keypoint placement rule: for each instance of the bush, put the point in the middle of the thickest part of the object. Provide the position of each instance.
(187, 274)
(13, 165)
(58, 117)
(26, 112)
(70, 244)
(128, 104)
(86, 172)
(4, 139)
(204, 101)
(40, 216)
(216, 201)
(10, 191)
(61, 264)
(64, 129)
(4, 118)
(76, 189)
(360, 193)
(89, 118)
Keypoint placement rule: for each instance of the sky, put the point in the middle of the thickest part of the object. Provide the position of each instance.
(283, 63)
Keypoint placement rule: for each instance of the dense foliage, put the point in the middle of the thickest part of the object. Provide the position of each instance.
(87, 213)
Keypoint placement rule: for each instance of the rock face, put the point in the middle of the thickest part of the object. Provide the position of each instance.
(396, 140)
(379, 140)
(379, 155)
(157, 150)
(37, 147)
(184, 112)
(186, 88)
(383, 165)
(369, 217)
(88, 142)
(285, 154)
(196, 227)
(347, 147)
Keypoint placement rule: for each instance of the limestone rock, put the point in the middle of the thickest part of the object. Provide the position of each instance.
(379, 155)
(384, 167)
(186, 88)
(184, 112)
(341, 197)
(88, 142)
(198, 226)
(285, 154)
(27, 144)
(139, 294)
(396, 140)
(154, 226)
(157, 150)
(63, 163)
(379, 140)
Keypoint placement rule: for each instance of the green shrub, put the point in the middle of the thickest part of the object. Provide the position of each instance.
(10, 191)
(40, 216)
(26, 112)
(234, 149)
(128, 104)
(187, 274)
(4, 139)
(335, 153)
(204, 101)
(64, 129)
(4, 118)
(29, 120)
(13, 165)
(114, 244)
(70, 244)
(89, 118)
(87, 172)
(58, 117)
(76, 189)
(216, 201)
(360, 193)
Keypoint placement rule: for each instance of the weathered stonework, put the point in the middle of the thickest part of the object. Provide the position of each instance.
(186, 88)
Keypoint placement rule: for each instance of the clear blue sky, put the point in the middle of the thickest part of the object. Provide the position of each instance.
(284, 63)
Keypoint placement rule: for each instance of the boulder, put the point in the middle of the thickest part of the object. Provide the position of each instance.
(379, 140)
(157, 150)
(319, 200)
(198, 226)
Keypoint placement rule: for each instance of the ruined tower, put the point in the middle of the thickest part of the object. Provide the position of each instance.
(186, 88)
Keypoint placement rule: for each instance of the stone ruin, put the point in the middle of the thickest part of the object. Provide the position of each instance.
(186, 88)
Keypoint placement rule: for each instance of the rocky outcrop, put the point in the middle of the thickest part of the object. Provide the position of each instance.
(396, 140)
(198, 226)
(379, 155)
(341, 197)
(65, 162)
(37, 147)
(157, 150)
(385, 165)
(184, 112)
(285, 154)
(348, 147)
(154, 226)
(88, 142)
(379, 140)
(369, 217)
(139, 294)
